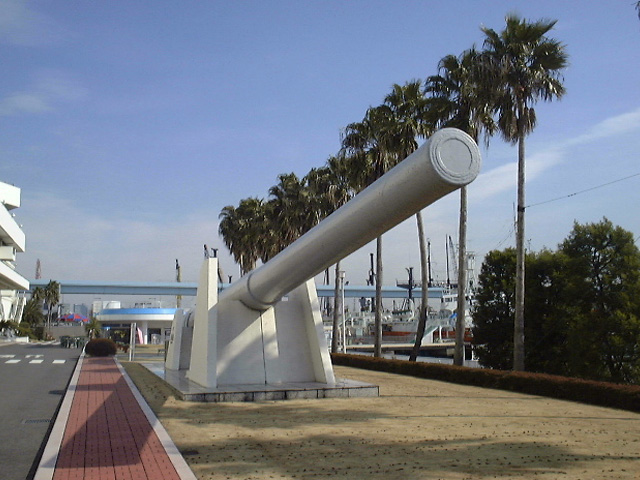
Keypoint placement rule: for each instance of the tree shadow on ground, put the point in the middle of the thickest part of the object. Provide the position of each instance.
(342, 456)
(316, 439)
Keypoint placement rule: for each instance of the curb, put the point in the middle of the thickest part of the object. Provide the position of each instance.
(178, 461)
(49, 458)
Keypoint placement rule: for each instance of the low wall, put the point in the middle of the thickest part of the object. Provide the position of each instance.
(68, 330)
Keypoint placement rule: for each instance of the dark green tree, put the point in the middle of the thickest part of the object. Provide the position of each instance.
(584, 314)
(602, 297)
(494, 312)
(546, 322)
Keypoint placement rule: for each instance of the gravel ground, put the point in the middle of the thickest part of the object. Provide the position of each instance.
(416, 429)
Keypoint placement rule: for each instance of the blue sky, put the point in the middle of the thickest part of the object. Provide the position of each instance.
(128, 125)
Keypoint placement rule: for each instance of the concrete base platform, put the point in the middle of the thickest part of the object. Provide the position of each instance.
(193, 392)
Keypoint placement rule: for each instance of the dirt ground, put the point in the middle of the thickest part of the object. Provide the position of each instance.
(416, 429)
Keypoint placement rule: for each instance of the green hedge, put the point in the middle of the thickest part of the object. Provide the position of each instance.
(605, 394)
(100, 347)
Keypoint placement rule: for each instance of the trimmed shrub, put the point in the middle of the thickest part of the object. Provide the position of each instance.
(100, 347)
(25, 330)
(604, 394)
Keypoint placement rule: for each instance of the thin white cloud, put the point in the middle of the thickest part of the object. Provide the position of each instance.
(503, 178)
(493, 182)
(75, 244)
(610, 127)
(23, 26)
(23, 102)
(47, 89)
(58, 85)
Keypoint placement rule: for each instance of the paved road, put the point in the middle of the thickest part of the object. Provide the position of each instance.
(33, 379)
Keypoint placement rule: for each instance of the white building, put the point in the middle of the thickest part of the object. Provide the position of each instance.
(12, 240)
(153, 325)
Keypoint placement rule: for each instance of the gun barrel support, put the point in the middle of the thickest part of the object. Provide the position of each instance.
(449, 160)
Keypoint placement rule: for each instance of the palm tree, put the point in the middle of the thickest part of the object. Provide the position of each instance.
(230, 231)
(51, 298)
(258, 230)
(296, 205)
(332, 189)
(32, 313)
(243, 231)
(525, 66)
(93, 328)
(460, 99)
(412, 116)
(38, 295)
(291, 213)
(317, 184)
(369, 146)
(387, 135)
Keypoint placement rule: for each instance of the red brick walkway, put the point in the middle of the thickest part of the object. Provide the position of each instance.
(108, 436)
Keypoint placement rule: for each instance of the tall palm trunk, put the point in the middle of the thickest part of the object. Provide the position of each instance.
(378, 315)
(337, 310)
(458, 356)
(526, 66)
(424, 278)
(518, 327)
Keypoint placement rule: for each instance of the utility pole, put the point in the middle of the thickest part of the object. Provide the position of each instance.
(430, 279)
(446, 248)
(372, 281)
(178, 279)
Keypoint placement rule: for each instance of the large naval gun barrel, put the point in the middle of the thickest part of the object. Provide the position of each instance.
(449, 160)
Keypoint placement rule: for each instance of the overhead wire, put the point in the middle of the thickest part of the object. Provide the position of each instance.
(512, 230)
(583, 191)
(506, 237)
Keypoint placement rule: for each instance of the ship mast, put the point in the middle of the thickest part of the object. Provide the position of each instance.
(178, 279)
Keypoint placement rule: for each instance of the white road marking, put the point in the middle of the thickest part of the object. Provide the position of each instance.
(32, 360)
